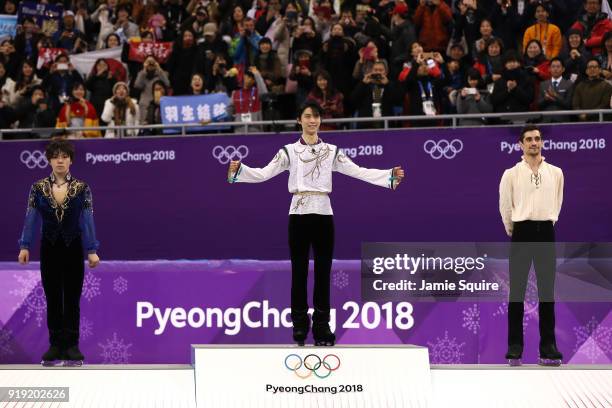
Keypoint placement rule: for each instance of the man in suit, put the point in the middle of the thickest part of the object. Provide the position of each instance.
(556, 93)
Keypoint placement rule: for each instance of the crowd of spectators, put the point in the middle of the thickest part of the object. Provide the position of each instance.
(356, 58)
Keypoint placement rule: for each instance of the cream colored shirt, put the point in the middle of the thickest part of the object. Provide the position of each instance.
(524, 195)
(310, 174)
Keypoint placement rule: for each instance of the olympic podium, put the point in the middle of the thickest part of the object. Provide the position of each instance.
(268, 376)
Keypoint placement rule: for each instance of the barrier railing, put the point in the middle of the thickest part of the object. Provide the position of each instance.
(278, 126)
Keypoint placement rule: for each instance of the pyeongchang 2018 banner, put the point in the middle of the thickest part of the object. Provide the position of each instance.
(175, 201)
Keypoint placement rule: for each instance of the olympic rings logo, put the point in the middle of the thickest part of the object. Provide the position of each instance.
(228, 153)
(33, 159)
(312, 364)
(443, 148)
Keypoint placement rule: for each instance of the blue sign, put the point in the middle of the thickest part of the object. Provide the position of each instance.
(8, 25)
(46, 16)
(179, 110)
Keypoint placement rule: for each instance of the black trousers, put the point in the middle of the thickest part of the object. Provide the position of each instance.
(532, 242)
(316, 231)
(62, 270)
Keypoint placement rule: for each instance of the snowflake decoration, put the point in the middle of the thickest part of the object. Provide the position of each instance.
(593, 339)
(6, 336)
(33, 295)
(86, 328)
(120, 285)
(471, 319)
(446, 350)
(340, 279)
(115, 351)
(91, 286)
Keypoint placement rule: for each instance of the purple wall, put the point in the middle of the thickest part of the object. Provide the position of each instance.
(184, 208)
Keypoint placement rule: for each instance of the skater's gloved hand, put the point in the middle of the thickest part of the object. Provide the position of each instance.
(24, 256)
(398, 173)
(93, 259)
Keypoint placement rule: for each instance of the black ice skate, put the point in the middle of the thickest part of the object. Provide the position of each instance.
(550, 356)
(300, 330)
(514, 355)
(323, 336)
(52, 357)
(73, 357)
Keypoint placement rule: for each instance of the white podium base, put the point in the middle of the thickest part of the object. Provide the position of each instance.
(232, 376)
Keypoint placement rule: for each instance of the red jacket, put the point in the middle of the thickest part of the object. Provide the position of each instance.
(433, 25)
(601, 27)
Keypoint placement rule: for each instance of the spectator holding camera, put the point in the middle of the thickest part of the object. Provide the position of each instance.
(197, 22)
(507, 22)
(338, 57)
(424, 85)
(209, 47)
(150, 73)
(307, 38)
(78, 112)
(368, 55)
(468, 24)
(302, 73)
(375, 95)
(222, 78)
(245, 47)
(59, 82)
(473, 99)
(34, 112)
(432, 18)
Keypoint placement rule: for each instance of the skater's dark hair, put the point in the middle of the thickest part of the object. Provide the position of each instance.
(59, 146)
(529, 128)
(314, 106)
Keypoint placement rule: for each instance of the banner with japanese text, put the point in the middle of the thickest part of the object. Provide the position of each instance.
(140, 50)
(46, 16)
(182, 110)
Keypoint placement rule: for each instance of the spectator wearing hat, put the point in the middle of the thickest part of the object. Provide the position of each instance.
(593, 92)
(402, 33)
(121, 110)
(575, 56)
(69, 37)
(197, 22)
(593, 25)
(513, 92)
(548, 34)
(209, 47)
(432, 19)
